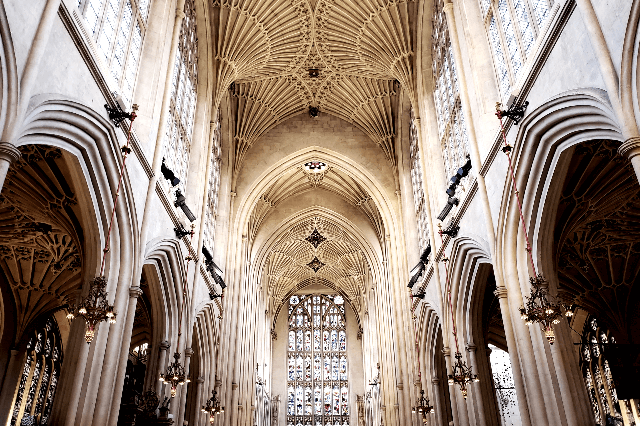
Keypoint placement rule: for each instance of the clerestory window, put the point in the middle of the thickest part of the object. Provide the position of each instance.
(317, 378)
(118, 28)
(513, 27)
(452, 129)
(179, 127)
(214, 188)
(418, 190)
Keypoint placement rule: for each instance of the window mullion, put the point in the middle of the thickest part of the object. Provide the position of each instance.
(517, 30)
(505, 47)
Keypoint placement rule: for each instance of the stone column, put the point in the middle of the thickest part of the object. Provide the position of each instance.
(631, 147)
(134, 293)
(452, 391)
(183, 392)
(476, 395)
(162, 364)
(164, 112)
(8, 154)
(9, 385)
(502, 295)
(437, 402)
(197, 406)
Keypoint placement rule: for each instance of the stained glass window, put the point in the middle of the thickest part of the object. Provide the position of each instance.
(179, 127)
(416, 183)
(513, 27)
(317, 376)
(33, 398)
(504, 386)
(118, 28)
(452, 129)
(597, 374)
(214, 188)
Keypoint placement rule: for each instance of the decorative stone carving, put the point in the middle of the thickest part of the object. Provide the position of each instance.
(40, 233)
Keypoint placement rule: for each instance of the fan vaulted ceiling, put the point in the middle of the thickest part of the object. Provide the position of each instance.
(294, 259)
(362, 49)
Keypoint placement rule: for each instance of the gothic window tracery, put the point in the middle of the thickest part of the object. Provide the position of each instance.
(597, 374)
(179, 126)
(452, 129)
(214, 188)
(118, 28)
(317, 376)
(513, 27)
(39, 377)
(416, 183)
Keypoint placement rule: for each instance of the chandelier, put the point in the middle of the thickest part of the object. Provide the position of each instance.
(175, 375)
(94, 308)
(212, 407)
(423, 407)
(462, 375)
(541, 309)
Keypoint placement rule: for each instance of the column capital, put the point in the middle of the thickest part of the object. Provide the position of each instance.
(448, 6)
(446, 351)
(135, 292)
(435, 382)
(188, 352)
(180, 14)
(200, 380)
(471, 347)
(9, 152)
(164, 346)
(630, 148)
(501, 292)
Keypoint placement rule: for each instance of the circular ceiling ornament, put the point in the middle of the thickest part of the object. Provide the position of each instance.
(315, 166)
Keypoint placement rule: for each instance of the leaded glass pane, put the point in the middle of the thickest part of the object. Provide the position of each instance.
(513, 50)
(416, 183)
(183, 100)
(504, 386)
(597, 374)
(447, 97)
(38, 381)
(118, 28)
(541, 8)
(501, 65)
(318, 376)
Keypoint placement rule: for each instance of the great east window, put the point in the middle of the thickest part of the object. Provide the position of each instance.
(317, 377)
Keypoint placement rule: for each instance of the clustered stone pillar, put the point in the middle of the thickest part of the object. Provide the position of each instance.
(162, 363)
(476, 395)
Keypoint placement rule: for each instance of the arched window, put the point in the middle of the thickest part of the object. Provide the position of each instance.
(118, 28)
(39, 379)
(317, 378)
(179, 127)
(416, 183)
(214, 188)
(597, 374)
(513, 26)
(504, 386)
(452, 130)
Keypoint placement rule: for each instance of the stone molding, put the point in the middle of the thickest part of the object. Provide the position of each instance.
(630, 148)
(501, 292)
(135, 292)
(8, 152)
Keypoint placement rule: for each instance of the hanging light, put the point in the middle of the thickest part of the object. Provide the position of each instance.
(213, 407)
(175, 375)
(94, 308)
(540, 308)
(423, 407)
(462, 375)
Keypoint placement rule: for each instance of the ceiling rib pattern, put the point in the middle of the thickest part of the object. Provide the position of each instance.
(344, 262)
(360, 49)
(298, 181)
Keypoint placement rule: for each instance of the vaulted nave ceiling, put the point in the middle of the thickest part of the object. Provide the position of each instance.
(361, 49)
